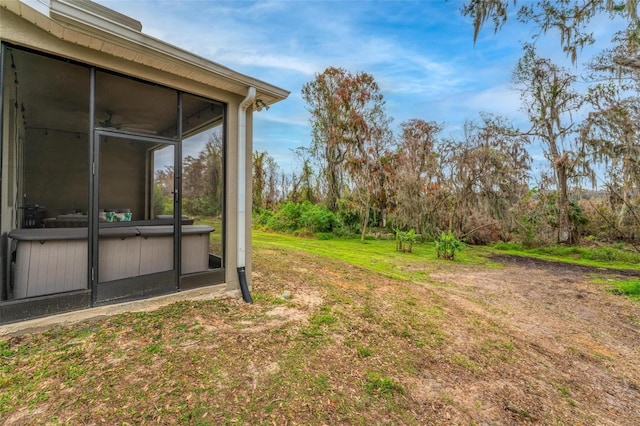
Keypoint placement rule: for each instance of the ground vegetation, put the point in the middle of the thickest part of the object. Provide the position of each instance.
(346, 332)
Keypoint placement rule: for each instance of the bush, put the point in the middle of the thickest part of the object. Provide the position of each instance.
(348, 214)
(161, 204)
(286, 218)
(481, 230)
(262, 216)
(303, 217)
(317, 218)
(204, 205)
(447, 245)
(405, 240)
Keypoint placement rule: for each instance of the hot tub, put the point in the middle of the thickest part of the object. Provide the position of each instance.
(54, 260)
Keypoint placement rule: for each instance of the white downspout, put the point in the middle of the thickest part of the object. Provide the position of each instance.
(241, 189)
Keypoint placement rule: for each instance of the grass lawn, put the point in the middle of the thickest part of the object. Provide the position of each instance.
(343, 332)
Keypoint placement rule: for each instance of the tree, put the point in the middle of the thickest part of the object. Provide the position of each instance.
(304, 187)
(276, 189)
(324, 103)
(549, 99)
(365, 165)
(267, 191)
(569, 17)
(490, 169)
(611, 132)
(344, 111)
(163, 182)
(418, 175)
(383, 172)
(259, 177)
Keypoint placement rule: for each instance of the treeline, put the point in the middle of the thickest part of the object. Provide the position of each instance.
(477, 187)
(358, 176)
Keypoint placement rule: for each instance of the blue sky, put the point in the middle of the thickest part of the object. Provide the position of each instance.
(421, 53)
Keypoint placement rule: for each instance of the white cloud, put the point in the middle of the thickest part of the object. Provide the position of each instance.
(257, 58)
(501, 100)
(272, 118)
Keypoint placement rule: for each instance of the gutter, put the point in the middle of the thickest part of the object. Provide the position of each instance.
(241, 190)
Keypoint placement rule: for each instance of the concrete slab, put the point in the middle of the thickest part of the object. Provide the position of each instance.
(93, 314)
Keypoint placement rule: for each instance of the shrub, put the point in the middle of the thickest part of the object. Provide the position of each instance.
(286, 218)
(447, 245)
(481, 230)
(262, 216)
(405, 240)
(303, 217)
(317, 218)
(160, 202)
(348, 214)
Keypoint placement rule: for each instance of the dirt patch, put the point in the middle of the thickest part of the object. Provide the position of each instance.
(535, 342)
(574, 340)
(561, 267)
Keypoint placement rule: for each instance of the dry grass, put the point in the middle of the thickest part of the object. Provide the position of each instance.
(329, 343)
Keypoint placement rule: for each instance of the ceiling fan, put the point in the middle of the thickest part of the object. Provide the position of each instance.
(114, 121)
(108, 123)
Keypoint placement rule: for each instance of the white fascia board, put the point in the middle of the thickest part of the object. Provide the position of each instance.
(96, 15)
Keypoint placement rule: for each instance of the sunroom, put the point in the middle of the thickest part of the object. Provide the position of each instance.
(125, 163)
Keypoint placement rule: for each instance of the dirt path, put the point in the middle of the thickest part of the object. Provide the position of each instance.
(579, 339)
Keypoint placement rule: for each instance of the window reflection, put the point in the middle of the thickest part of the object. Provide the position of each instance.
(203, 174)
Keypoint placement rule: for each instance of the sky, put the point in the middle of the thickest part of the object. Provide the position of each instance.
(421, 54)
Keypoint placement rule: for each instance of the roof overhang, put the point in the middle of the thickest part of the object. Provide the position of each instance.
(93, 26)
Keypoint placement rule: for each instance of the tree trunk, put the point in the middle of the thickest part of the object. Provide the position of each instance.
(365, 220)
(332, 190)
(560, 166)
(622, 214)
(564, 226)
(626, 196)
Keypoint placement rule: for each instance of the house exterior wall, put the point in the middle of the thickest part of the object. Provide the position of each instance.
(21, 32)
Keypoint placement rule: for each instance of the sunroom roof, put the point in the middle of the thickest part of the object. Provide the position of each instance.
(88, 24)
